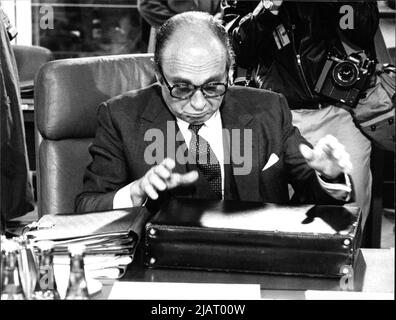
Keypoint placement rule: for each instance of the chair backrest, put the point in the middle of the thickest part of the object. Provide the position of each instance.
(29, 59)
(67, 95)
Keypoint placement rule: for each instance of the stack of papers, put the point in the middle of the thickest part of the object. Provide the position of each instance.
(110, 238)
(107, 243)
(97, 266)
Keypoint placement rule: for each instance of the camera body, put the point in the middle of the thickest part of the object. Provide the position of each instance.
(344, 79)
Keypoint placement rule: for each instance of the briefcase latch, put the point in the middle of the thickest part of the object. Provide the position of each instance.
(152, 232)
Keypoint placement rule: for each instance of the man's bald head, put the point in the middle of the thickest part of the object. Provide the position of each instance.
(192, 28)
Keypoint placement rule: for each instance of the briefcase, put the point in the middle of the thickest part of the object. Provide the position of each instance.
(311, 240)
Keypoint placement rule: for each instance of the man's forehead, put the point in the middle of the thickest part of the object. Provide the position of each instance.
(194, 55)
(193, 50)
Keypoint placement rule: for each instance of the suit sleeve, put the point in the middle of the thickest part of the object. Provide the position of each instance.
(155, 12)
(302, 177)
(107, 172)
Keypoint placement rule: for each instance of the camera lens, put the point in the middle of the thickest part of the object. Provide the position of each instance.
(345, 74)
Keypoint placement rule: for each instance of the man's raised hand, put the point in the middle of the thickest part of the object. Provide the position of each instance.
(328, 157)
(159, 178)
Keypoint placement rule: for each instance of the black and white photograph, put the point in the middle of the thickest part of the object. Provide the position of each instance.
(197, 158)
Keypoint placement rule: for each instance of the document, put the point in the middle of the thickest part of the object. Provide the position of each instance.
(108, 232)
(110, 238)
(183, 291)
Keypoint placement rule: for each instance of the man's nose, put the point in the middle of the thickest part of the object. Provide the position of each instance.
(198, 100)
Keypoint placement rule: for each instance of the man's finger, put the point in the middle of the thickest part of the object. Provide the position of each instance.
(169, 163)
(345, 164)
(331, 139)
(338, 152)
(162, 171)
(149, 190)
(189, 177)
(178, 179)
(156, 182)
(333, 147)
(307, 152)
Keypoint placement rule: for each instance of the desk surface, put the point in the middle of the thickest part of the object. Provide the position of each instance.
(378, 278)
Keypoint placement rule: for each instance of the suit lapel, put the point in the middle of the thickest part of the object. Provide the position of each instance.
(237, 119)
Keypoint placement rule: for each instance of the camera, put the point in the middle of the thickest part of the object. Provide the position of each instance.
(344, 79)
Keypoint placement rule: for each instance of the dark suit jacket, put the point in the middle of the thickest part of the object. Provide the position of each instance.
(156, 12)
(119, 147)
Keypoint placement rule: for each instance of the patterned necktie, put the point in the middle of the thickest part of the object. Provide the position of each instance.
(206, 160)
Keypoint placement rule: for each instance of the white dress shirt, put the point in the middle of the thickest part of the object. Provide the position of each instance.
(212, 131)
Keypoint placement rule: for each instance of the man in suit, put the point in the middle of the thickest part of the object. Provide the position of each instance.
(193, 59)
(156, 12)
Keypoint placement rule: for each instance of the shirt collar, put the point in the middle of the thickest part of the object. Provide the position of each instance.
(213, 122)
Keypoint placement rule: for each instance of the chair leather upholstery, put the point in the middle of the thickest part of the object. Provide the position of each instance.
(67, 95)
(29, 59)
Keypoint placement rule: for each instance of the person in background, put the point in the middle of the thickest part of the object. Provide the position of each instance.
(190, 111)
(284, 46)
(156, 12)
(16, 189)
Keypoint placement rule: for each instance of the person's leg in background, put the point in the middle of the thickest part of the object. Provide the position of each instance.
(315, 124)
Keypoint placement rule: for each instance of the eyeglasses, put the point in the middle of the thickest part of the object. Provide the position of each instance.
(185, 91)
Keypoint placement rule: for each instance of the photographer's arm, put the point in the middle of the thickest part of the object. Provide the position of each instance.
(252, 37)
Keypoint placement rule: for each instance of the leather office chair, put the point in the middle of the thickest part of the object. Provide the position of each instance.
(29, 59)
(68, 93)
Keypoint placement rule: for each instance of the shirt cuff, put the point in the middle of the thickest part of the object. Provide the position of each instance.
(122, 198)
(339, 191)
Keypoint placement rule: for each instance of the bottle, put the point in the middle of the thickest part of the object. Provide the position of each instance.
(77, 288)
(27, 265)
(46, 288)
(11, 287)
(3, 240)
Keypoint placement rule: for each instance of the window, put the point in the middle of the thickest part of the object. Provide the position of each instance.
(76, 28)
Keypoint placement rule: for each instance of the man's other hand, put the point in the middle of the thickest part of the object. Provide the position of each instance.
(328, 157)
(159, 178)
